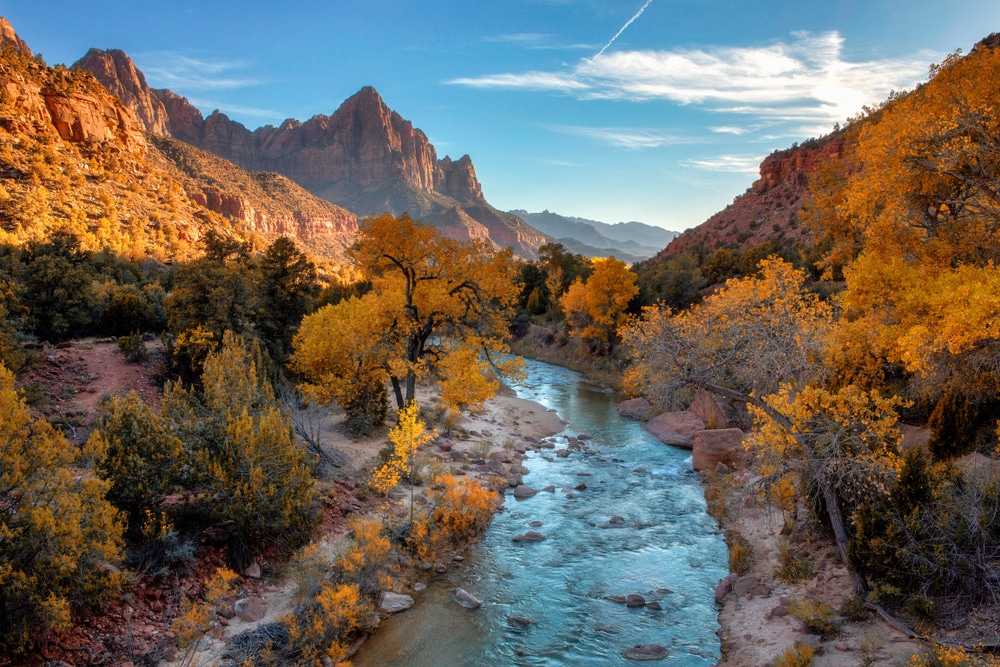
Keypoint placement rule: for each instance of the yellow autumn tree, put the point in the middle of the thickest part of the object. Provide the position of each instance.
(409, 434)
(595, 309)
(59, 538)
(431, 297)
(761, 341)
(921, 210)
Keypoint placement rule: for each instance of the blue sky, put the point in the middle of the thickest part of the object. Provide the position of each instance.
(657, 111)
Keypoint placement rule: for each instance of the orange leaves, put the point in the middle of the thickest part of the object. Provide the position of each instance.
(462, 510)
(596, 309)
(430, 297)
(751, 336)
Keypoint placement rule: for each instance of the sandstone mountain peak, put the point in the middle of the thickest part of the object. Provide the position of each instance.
(8, 36)
(116, 72)
(364, 157)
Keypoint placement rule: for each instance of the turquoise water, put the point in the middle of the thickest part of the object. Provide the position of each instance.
(666, 549)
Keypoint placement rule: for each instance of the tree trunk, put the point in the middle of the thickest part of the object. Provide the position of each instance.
(839, 528)
(833, 510)
(398, 392)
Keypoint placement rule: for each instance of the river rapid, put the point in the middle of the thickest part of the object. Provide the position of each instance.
(664, 547)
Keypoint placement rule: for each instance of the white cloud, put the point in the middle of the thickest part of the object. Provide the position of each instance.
(526, 81)
(624, 137)
(735, 164)
(207, 105)
(179, 72)
(805, 81)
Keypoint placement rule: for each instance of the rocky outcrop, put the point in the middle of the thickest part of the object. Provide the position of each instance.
(458, 180)
(709, 448)
(675, 428)
(636, 408)
(9, 37)
(78, 109)
(119, 75)
(769, 209)
(263, 202)
(184, 120)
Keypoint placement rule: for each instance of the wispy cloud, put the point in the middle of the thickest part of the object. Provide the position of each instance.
(804, 81)
(206, 106)
(625, 137)
(537, 41)
(737, 164)
(520, 38)
(527, 81)
(165, 69)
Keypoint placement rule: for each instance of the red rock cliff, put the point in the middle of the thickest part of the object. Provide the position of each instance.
(119, 75)
(769, 208)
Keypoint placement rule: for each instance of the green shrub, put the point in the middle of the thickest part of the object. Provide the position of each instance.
(133, 347)
(142, 458)
(818, 616)
(799, 655)
(741, 554)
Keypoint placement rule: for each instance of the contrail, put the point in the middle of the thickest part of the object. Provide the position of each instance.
(619, 33)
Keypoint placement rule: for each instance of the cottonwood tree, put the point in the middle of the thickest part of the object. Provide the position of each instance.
(595, 309)
(920, 210)
(761, 341)
(431, 298)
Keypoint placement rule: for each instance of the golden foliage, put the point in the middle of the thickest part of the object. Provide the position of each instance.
(196, 618)
(595, 309)
(462, 511)
(431, 298)
(59, 537)
(919, 210)
(751, 336)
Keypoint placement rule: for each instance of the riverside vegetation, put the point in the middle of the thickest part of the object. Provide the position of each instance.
(892, 313)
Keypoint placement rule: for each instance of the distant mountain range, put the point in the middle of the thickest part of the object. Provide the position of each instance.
(628, 241)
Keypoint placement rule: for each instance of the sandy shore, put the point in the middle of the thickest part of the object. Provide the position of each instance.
(755, 625)
(504, 422)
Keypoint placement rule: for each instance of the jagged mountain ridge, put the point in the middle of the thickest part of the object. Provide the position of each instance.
(365, 157)
(631, 240)
(76, 158)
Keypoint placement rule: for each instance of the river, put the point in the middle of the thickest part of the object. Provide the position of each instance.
(666, 548)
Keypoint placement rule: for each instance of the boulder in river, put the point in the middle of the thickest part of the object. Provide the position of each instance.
(675, 428)
(395, 602)
(637, 408)
(635, 600)
(521, 620)
(466, 599)
(523, 491)
(530, 536)
(647, 652)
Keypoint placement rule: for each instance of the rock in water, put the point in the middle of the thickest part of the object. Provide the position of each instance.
(635, 600)
(395, 602)
(523, 492)
(647, 652)
(530, 536)
(521, 620)
(467, 600)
